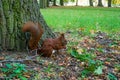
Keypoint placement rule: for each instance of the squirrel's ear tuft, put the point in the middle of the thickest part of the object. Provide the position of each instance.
(62, 34)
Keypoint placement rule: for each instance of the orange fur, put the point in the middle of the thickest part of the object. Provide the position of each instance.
(36, 32)
(52, 44)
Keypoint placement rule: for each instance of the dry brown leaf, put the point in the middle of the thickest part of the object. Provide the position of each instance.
(85, 79)
(116, 69)
(82, 64)
(27, 76)
(81, 29)
(61, 73)
(1, 74)
(92, 31)
(2, 58)
(61, 63)
(107, 63)
(97, 52)
(73, 78)
(80, 50)
(46, 63)
(16, 79)
(37, 68)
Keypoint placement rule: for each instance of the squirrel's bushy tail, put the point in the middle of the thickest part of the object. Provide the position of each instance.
(36, 32)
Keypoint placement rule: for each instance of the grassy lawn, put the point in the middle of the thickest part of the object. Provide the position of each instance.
(73, 18)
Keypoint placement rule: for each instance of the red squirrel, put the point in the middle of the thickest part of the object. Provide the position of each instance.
(36, 32)
(49, 45)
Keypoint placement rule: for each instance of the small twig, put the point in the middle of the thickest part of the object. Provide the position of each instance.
(32, 51)
(109, 66)
(32, 56)
(3, 78)
(117, 57)
(21, 60)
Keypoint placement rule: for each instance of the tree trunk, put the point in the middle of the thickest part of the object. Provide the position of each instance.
(13, 14)
(90, 2)
(43, 3)
(109, 3)
(47, 3)
(54, 2)
(100, 3)
(76, 2)
(61, 2)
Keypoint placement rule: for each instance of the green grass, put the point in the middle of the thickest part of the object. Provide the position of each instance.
(72, 18)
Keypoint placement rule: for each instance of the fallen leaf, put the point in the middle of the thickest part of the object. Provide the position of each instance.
(73, 78)
(107, 63)
(27, 76)
(80, 50)
(37, 68)
(2, 58)
(1, 74)
(92, 31)
(82, 64)
(81, 29)
(85, 79)
(61, 64)
(46, 63)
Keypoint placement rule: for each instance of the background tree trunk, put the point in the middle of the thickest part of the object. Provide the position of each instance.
(13, 14)
(54, 2)
(47, 3)
(76, 2)
(100, 3)
(90, 2)
(109, 3)
(61, 2)
(43, 3)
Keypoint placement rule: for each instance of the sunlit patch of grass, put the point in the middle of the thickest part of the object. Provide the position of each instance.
(70, 18)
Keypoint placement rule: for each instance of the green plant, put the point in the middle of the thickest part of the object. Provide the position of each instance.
(14, 70)
(82, 57)
(84, 73)
(48, 69)
(117, 66)
(111, 76)
(98, 71)
(94, 66)
(113, 44)
(100, 49)
(74, 53)
(37, 76)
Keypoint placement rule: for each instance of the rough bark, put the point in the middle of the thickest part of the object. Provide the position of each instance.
(13, 14)
(100, 3)
(90, 2)
(109, 3)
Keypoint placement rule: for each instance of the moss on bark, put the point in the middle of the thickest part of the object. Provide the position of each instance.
(14, 13)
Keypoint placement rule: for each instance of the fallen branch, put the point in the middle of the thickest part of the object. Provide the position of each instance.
(4, 78)
(32, 57)
(21, 60)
